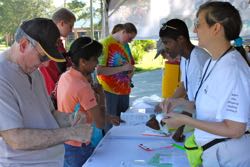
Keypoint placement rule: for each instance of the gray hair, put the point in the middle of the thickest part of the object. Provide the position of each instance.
(21, 34)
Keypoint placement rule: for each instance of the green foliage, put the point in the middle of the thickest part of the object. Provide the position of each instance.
(79, 9)
(2, 41)
(140, 47)
(149, 63)
(13, 12)
(82, 10)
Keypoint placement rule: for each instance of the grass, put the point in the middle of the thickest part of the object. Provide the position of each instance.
(148, 62)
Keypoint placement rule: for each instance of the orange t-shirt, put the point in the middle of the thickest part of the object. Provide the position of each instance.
(74, 88)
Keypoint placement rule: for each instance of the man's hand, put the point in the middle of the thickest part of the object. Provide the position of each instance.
(81, 133)
(78, 119)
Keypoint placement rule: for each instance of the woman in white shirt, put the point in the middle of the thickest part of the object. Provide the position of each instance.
(222, 99)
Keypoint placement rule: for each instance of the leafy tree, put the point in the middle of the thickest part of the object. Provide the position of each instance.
(82, 10)
(13, 12)
(79, 8)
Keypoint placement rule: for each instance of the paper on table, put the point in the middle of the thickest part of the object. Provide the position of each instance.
(142, 105)
(141, 110)
(134, 118)
(149, 101)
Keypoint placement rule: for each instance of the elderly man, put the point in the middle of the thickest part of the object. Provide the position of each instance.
(29, 130)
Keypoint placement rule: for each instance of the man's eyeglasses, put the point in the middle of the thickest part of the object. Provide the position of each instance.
(167, 26)
(42, 57)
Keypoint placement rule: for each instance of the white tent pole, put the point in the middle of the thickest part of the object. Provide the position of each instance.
(105, 29)
(117, 7)
(91, 19)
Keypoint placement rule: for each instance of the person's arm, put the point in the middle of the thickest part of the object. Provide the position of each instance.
(35, 139)
(102, 70)
(180, 91)
(98, 116)
(100, 97)
(63, 119)
(100, 111)
(99, 94)
(225, 128)
(170, 104)
(131, 73)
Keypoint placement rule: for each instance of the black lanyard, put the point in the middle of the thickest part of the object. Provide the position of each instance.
(186, 69)
(203, 77)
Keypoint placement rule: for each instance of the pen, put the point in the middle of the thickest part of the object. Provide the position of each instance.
(76, 110)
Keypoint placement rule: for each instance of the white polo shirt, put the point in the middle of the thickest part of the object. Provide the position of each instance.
(224, 94)
(191, 70)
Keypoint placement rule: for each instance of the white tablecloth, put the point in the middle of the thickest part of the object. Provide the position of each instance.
(119, 148)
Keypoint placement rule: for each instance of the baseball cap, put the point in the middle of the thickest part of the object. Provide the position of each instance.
(46, 33)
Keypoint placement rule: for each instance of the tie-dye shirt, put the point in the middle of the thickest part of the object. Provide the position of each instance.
(115, 54)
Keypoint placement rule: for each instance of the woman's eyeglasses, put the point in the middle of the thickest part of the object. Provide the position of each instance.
(196, 23)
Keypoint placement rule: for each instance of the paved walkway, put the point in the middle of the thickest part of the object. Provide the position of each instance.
(146, 84)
